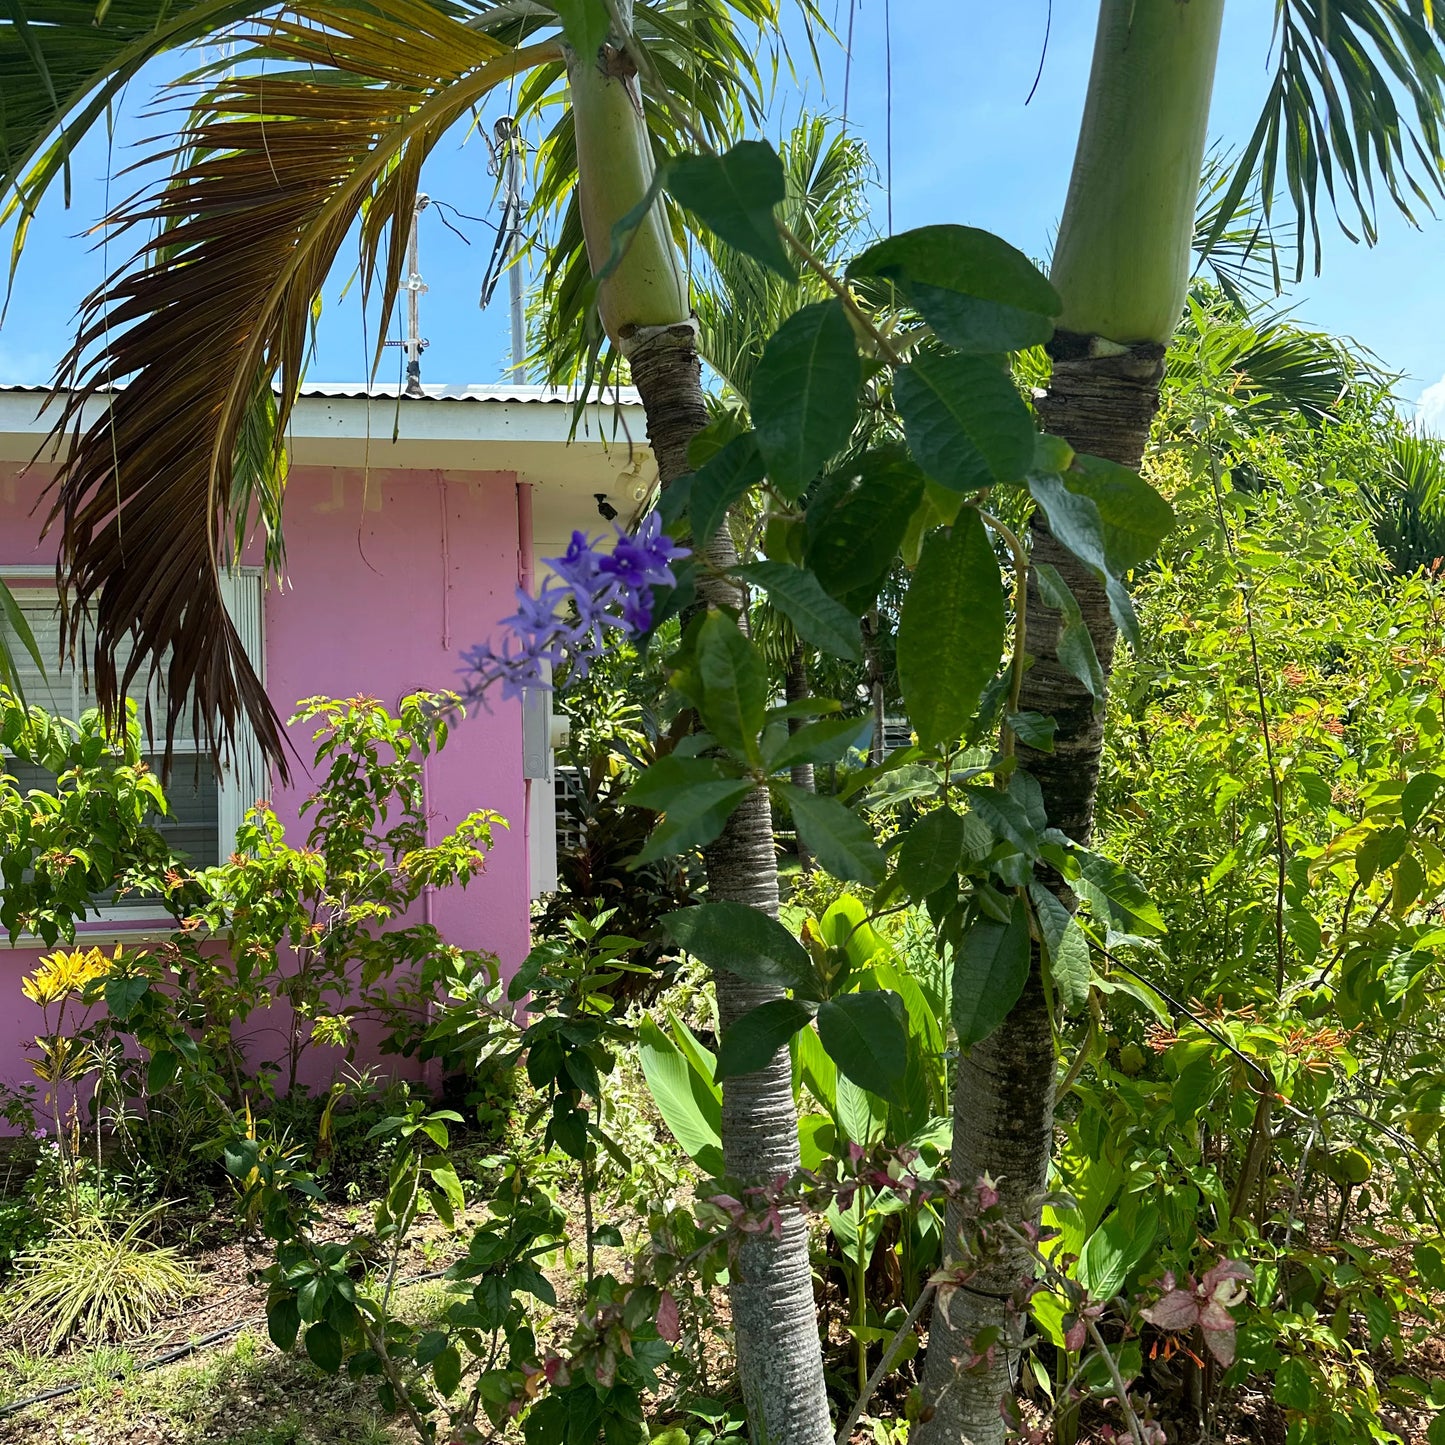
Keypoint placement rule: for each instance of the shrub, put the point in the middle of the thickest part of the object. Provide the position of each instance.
(90, 1281)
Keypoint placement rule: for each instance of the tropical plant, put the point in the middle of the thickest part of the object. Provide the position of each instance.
(100, 1282)
(1121, 268)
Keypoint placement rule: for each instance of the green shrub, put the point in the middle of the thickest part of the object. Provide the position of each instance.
(89, 1280)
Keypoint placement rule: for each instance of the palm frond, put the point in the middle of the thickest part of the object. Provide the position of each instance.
(1408, 501)
(270, 171)
(1356, 103)
(1267, 365)
(1240, 252)
(63, 63)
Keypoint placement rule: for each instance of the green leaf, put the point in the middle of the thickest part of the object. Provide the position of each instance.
(976, 291)
(734, 682)
(1293, 1387)
(835, 835)
(123, 994)
(1134, 517)
(799, 596)
(990, 968)
(1066, 948)
(1417, 796)
(951, 632)
(854, 531)
(447, 1370)
(161, 1072)
(323, 1347)
(827, 741)
(721, 482)
(1033, 730)
(694, 820)
(804, 397)
(1114, 1250)
(17, 625)
(1117, 896)
(744, 942)
(1075, 647)
(283, 1323)
(964, 419)
(431, 1344)
(734, 195)
(689, 1104)
(585, 24)
(930, 853)
(866, 1035)
(750, 1044)
(663, 782)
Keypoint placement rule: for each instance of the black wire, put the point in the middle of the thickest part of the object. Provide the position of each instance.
(1044, 53)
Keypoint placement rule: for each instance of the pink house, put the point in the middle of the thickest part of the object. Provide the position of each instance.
(409, 523)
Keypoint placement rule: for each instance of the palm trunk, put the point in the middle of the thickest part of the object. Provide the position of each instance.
(644, 307)
(795, 689)
(1121, 266)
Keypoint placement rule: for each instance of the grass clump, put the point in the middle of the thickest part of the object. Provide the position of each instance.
(89, 1280)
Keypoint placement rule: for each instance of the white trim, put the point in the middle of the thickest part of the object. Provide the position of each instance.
(241, 781)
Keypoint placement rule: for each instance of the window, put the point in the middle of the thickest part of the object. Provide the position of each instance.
(207, 803)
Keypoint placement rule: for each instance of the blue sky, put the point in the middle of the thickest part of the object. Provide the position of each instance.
(965, 147)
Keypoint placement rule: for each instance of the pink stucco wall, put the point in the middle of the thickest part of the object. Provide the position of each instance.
(390, 574)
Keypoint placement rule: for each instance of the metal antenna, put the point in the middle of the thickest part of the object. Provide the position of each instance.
(507, 166)
(416, 288)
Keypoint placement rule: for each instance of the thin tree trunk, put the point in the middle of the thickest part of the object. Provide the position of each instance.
(877, 697)
(1004, 1101)
(795, 689)
(780, 1361)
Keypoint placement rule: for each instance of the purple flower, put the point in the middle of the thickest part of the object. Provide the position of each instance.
(592, 594)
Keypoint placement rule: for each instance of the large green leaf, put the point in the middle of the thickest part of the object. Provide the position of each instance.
(734, 685)
(964, 419)
(734, 195)
(805, 394)
(1065, 947)
(744, 942)
(1133, 517)
(1075, 647)
(722, 481)
(854, 530)
(990, 968)
(666, 781)
(951, 632)
(930, 852)
(1117, 896)
(1117, 1248)
(835, 835)
(749, 1044)
(799, 596)
(976, 291)
(866, 1035)
(827, 741)
(694, 819)
(688, 1103)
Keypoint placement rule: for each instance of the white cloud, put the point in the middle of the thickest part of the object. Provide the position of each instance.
(1430, 409)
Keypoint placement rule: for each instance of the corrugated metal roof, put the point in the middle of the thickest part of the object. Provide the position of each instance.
(387, 391)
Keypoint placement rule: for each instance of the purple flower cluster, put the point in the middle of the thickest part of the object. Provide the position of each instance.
(592, 592)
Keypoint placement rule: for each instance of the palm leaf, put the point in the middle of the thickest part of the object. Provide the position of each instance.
(270, 171)
(1356, 104)
(63, 63)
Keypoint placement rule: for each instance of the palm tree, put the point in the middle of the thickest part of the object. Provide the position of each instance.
(1122, 266)
(327, 119)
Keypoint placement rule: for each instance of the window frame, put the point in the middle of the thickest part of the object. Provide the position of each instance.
(241, 781)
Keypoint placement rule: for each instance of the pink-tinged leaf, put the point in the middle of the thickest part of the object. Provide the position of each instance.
(1178, 1310)
(1225, 1282)
(669, 1326)
(1075, 1335)
(1218, 1326)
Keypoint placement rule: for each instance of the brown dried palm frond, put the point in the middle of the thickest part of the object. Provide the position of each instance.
(269, 174)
